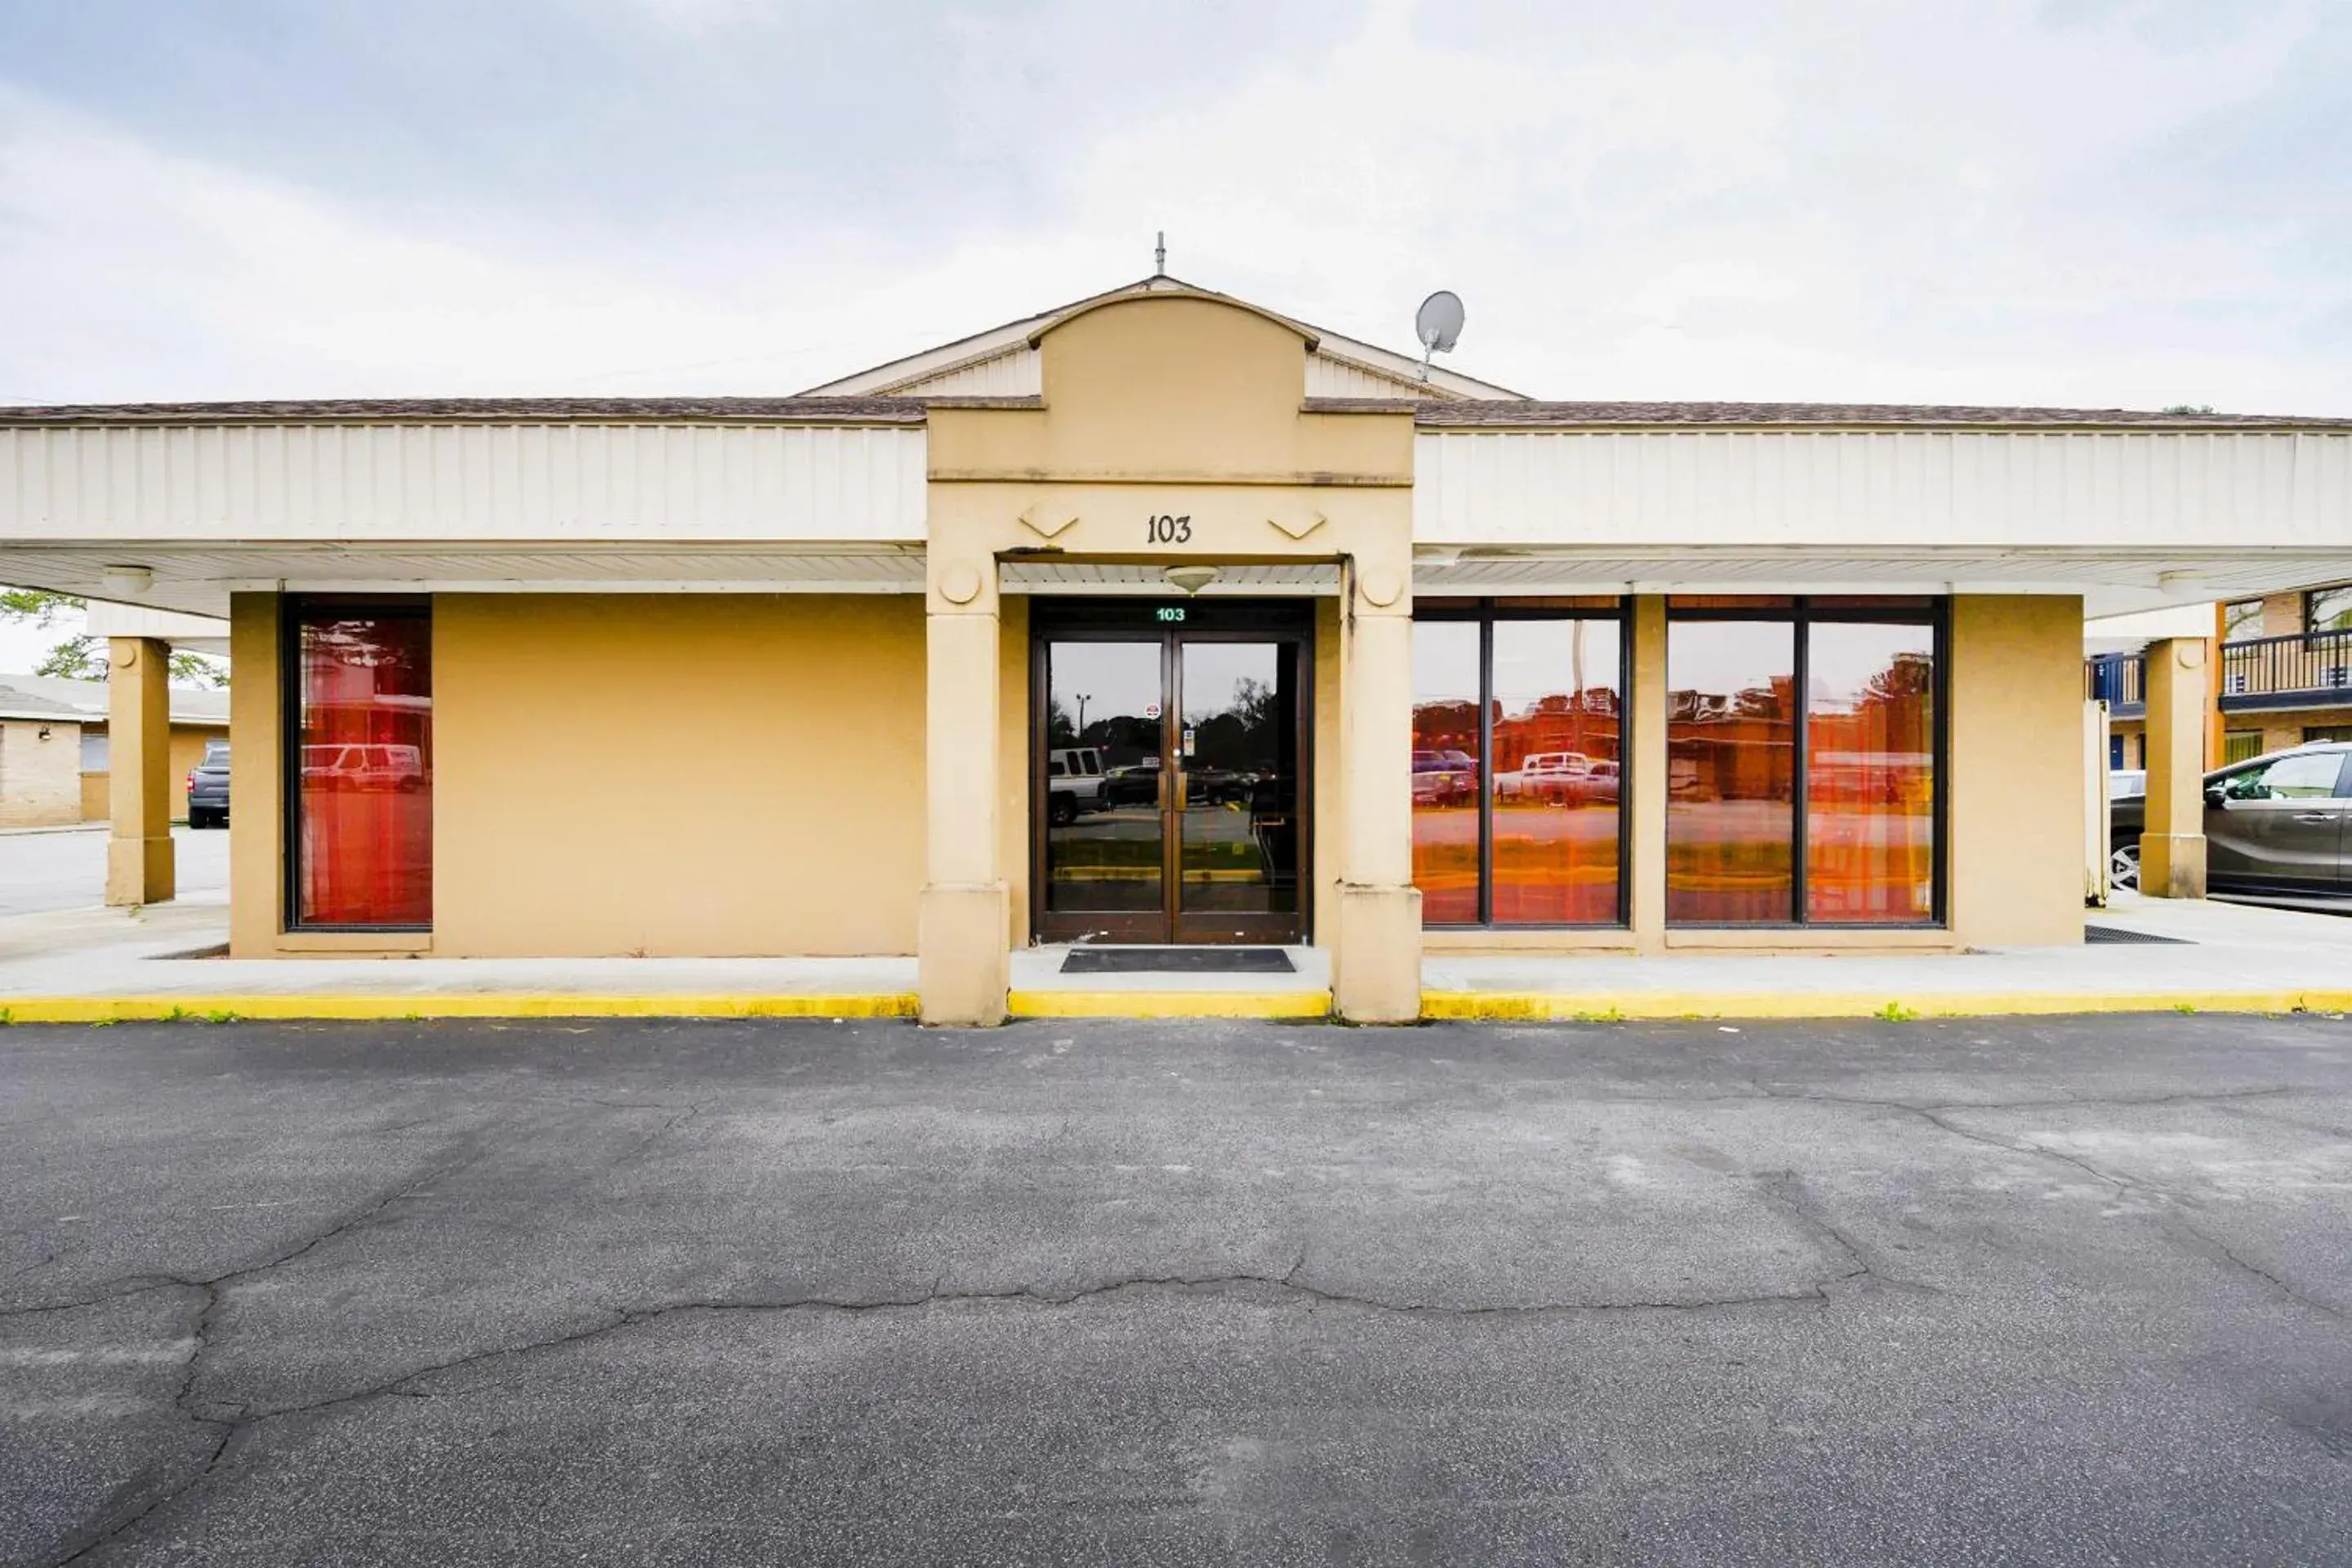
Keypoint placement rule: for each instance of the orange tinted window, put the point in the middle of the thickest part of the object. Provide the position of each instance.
(1445, 771)
(1869, 778)
(1558, 774)
(1730, 772)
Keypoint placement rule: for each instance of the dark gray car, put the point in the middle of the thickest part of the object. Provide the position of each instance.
(2274, 826)
(208, 788)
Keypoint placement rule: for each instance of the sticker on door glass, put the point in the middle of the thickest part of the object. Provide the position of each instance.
(1151, 710)
(1188, 740)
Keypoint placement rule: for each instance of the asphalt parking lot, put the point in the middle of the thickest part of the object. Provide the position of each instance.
(2057, 1291)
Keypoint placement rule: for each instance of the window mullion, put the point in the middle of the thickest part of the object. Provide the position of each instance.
(1485, 772)
(1800, 785)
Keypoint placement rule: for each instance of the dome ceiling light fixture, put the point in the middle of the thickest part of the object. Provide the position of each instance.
(124, 582)
(1192, 579)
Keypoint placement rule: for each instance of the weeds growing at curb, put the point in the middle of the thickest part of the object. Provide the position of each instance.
(1611, 1014)
(224, 1016)
(1896, 1012)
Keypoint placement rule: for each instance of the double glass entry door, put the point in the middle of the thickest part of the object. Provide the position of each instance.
(1170, 805)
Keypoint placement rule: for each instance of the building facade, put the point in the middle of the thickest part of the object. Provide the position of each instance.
(1160, 618)
(55, 751)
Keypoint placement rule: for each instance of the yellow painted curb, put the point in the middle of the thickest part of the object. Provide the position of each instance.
(535, 1004)
(1169, 1004)
(1500, 1005)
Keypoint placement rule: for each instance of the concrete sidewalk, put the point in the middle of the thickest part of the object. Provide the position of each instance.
(2193, 956)
(94, 965)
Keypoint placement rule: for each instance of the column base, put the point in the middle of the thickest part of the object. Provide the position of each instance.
(138, 872)
(1376, 961)
(963, 964)
(2172, 865)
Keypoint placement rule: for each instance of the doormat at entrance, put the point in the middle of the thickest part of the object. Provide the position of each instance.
(2117, 933)
(1178, 961)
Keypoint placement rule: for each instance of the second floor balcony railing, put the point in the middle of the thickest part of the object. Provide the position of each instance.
(2114, 679)
(2287, 672)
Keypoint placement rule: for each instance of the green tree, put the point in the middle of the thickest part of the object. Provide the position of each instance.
(75, 658)
(38, 605)
(80, 657)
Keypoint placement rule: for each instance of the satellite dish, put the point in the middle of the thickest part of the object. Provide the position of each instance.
(1438, 322)
(1438, 325)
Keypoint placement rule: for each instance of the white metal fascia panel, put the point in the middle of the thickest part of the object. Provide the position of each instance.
(1016, 374)
(1328, 377)
(380, 481)
(1840, 488)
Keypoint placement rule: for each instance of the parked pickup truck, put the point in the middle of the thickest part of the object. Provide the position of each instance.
(1559, 778)
(209, 787)
(1074, 784)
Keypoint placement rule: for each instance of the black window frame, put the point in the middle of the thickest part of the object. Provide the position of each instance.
(1484, 613)
(2311, 628)
(291, 611)
(1803, 612)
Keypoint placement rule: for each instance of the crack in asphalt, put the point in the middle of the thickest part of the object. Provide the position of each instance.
(2214, 1249)
(212, 1294)
(228, 1424)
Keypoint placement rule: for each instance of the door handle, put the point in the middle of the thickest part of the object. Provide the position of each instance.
(2317, 815)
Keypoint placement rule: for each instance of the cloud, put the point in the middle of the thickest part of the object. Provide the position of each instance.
(2092, 204)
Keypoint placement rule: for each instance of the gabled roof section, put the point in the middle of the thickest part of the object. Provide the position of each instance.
(1002, 361)
(1174, 290)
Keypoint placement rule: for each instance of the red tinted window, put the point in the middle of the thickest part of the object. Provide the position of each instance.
(1870, 774)
(1730, 770)
(1445, 771)
(363, 743)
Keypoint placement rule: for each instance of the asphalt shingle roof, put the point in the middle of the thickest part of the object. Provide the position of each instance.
(1531, 412)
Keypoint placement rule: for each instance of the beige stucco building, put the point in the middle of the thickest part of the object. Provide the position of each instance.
(1160, 619)
(55, 749)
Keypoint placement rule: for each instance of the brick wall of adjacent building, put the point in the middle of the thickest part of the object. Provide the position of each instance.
(40, 773)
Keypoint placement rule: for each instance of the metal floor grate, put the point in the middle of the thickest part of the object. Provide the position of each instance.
(1178, 961)
(2118, 935)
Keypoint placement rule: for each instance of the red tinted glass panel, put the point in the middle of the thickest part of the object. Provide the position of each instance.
(363, 724)
(1445, 771)
(1558, 772)
(1870, 774)
(1730, 772)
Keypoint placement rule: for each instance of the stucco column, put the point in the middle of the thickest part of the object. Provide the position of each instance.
(961, 960)
(2172, 847)
(139, 762)
(1376, 961)
(1646, 771)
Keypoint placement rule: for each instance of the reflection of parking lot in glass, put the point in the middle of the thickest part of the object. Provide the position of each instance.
(1103, 851)
(1235, 831)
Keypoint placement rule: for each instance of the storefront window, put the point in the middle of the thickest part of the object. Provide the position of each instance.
(361, 759)
(1730, 770)
(1558, 772)
(1870, 761)
(1518, 763)
(1446, 751)
(1861, 776)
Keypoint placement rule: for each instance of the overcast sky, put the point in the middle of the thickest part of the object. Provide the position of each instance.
(2072, 201)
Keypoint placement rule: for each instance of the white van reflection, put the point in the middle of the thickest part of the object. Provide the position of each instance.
(369, 766)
